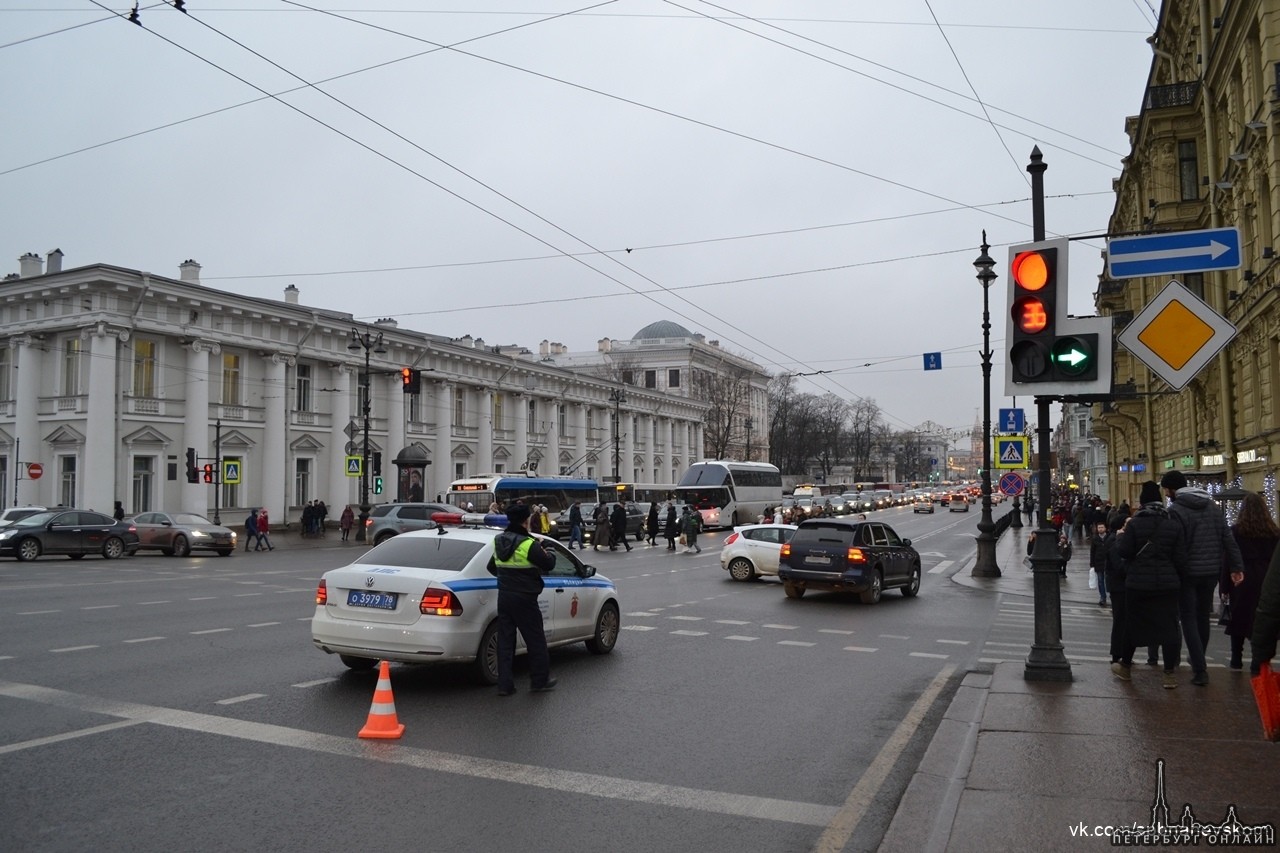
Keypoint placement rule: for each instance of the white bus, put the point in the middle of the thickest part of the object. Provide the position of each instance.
(556, 493)
(730, 493)
(641, 494)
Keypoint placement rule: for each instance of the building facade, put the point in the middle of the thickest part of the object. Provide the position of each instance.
(108, 375)
(1205, 154)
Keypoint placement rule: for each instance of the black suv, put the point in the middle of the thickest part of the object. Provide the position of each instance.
(844, 555)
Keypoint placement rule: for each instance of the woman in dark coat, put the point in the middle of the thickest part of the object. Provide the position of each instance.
(1153, 547)
(618, 521)
(651, 523)
(601, 532)
(671, 528)
(1257, 536)
(1113, 568)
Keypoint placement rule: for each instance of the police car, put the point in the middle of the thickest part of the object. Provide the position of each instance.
(427, 597)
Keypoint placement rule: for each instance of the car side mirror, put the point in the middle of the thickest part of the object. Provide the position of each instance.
(906, 542)
(587, 571)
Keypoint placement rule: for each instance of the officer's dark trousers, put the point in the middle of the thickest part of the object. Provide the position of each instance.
(516, 611)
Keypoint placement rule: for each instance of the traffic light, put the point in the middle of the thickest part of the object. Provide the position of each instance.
(377, 463)
(377, 485)
(193, 473)
(1049, 352)
(208, 472)
(412, 380)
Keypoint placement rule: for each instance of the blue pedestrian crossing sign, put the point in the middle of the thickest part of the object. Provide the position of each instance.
(1012, 420)
(355, 466)
(933, 361)
(231, 472)
(1011, 451)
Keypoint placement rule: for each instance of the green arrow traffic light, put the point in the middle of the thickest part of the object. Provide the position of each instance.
(1072, 356)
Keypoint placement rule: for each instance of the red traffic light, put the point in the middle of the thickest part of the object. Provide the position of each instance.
(1031, 270)
(208, 473)
(411, 380)
(1029, 315)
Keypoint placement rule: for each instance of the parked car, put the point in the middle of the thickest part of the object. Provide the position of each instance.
(843, 555)
(73, 532)
(922, 503)
(13, 513)
(390, 520)
(752, 550)
(425, 597)
(179, 533)
(958, 503)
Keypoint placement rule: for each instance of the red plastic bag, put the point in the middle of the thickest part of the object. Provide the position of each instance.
(1266, 689)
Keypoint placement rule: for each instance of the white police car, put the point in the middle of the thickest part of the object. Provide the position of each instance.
(427, 597)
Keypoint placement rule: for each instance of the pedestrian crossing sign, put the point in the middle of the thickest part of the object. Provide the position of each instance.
(231, 472)
(354, 466)
(1011, 451)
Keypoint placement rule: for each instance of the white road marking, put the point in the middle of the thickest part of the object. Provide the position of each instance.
(143, 640)
(203, 598)
(641, 613)
(860, 649)
(263, 624)
(99, 606)
(942, 567)
(144, 603)
(236, 699)
(927, 655)
(315, 683)
(45, 741)
(211, 631)
(72, 649)
(833, 631)
(690, 633)
(731, 622)
(246, 594)
(744, 639)
(894, 637)
(780, 627)
(37, 612)
(794, 643)
(687, 618)
(585, 784)
(955, 642)
(6, 657)
(637, 628)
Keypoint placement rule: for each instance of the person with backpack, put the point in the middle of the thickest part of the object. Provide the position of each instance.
(251, 530)
(692, 526)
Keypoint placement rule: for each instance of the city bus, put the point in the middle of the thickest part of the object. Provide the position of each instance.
(641, 494)
(728, 493)
(555, 493)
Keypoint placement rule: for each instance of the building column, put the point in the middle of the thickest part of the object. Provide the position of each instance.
(553, 441)
(28, 361)
(100, 450)
(484, 431)
(579, 414)
(440, 472)
(647, 432)
(340, 418)
(197, 497)
(275, 462)
(521, 450)
(671, 450)
(397, 413)
(698, 442)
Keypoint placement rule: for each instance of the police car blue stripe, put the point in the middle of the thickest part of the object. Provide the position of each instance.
(552, 582)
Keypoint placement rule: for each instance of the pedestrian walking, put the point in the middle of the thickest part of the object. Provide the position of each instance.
(651, 523)
(308, 519)
(601, 533)
(618, 521)
(1266, 619)
(1257, 536)
(692, 526)
(1098, 560)
(575, 526)
(519, 562)
(1113, 567)
(671, 527)
(118, 512)
(345, 521)
(251, 530)
(1153, 545)
(264, 530)
(1210, 548)
(322, 513)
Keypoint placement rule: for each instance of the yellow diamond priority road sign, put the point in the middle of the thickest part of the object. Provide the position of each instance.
(1176, 335)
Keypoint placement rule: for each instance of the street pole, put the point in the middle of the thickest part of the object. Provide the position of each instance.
(748, 424)
(617, 397)
(369, 343)
(1046, 661)
(985, 564)
(217, 471)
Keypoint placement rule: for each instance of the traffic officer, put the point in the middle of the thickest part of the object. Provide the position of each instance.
(519, 561)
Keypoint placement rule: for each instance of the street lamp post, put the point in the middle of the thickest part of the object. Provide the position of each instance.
(985, 564)
(370, 343)
(748, 423)
(617, 397)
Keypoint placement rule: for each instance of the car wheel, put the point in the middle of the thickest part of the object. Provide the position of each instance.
(486, 665)
(29, 549)
(872, 595)
(793, 589)
(382, 537)
(358, 664)
(912, 589)
(606, 633)
(740, 569)
(180, 546)
(113, 549)
(225, 552)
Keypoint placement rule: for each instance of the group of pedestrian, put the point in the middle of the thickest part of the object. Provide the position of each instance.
(314, 514)
(1162, 566)
(257, 528)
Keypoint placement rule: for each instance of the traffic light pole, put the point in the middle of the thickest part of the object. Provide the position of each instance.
(1046, 661)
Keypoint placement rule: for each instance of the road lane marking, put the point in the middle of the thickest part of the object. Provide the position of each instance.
(45, 741)
(72, 649)
(690, 633)
(143, 640)
(37, 612)
(263, 624)
(237, 699)
(315, 683)
(203, 598)
(743, 639)
(565, 781)
(687, 618)
(795, 643)
(731, 622)
(955, 642)
(144, 603)
(638, 628)
(780, 627)
(833, 631)
(942, 567)
(860, 649)
(99, 606)
(841, 829)
(894, 637)
(927, 655)
(211, 631)
(641, 613)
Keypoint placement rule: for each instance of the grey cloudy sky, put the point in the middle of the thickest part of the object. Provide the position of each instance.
(805, 181)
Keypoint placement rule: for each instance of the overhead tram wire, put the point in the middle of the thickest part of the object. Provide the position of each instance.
(110, 17)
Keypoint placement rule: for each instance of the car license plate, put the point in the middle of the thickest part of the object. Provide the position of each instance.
(818, 561)
(380, 600)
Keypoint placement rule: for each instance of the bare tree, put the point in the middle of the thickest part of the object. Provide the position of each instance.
(621, 366)
(865, 429)
(832, 427)
(728, 392)
(792, 426)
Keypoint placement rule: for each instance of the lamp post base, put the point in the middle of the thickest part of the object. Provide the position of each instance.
(1047, 661)
(364, 517)
(985, 564)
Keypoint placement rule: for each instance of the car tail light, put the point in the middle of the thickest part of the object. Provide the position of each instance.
(733, 537)
(322, 594)
(856, 556)
(368, 522)
(440, 602)
(785, 552)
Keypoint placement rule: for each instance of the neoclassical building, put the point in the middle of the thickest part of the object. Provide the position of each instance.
(108, 375)
(1205, 154)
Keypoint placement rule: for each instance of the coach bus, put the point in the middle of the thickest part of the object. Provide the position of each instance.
(728, 493)
(555, 493)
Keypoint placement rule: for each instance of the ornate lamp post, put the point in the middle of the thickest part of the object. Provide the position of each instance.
(985, 565)
(617, 397)
(370, 343)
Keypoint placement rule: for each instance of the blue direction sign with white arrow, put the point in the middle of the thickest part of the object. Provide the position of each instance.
(1178, 252)
(1012, 420)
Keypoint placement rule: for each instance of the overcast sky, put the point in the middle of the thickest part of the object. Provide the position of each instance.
(805, 181)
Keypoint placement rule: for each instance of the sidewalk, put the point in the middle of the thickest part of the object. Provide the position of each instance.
(1038, 765)
(292, 540)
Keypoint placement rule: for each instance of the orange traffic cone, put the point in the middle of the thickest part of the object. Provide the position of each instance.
(382, 722)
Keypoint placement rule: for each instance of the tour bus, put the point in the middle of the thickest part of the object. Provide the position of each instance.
(728, 493)
(555, 493)
(641, 494)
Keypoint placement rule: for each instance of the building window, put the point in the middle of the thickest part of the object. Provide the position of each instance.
(230, 491)
(628, 377)
(231, 380)
(301, 482)
(144, 369)
(6, 362)
(67, 480)
(414, 408)
(499, 410)
(531, 417)
(561, 420)
(71, 370)
(1188, 171)
(459, 470)
(144, 476)
(673, 378)
(1194, 281)
(460, 410)
(651, 379)
(302, 391)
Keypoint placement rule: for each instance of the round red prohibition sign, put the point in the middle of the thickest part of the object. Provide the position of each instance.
(35, 470)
